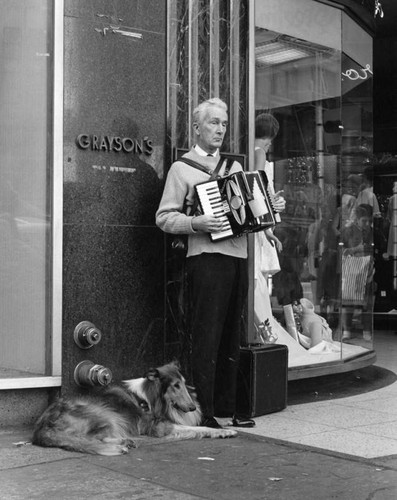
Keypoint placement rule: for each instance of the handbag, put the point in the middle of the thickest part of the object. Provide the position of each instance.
(266, 256)
(179, 241)
(355, 271)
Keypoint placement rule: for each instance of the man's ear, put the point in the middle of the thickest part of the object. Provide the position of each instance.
(152, 374)
(196, 128)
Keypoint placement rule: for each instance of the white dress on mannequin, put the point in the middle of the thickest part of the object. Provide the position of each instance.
(266, 264)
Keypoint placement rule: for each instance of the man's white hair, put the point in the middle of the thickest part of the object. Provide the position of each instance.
(201, 109)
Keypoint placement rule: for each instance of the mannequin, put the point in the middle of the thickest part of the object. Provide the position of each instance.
(314, 326)
(266, 243)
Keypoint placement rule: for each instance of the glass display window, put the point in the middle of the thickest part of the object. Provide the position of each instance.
(313, 138)
(30, 193)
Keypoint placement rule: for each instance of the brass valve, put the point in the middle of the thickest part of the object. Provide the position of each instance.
(88, 374)
(86, 335)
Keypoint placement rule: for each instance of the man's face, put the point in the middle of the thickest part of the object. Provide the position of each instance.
(210, 132)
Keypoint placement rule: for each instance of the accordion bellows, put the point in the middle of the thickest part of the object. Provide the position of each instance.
(241, 200)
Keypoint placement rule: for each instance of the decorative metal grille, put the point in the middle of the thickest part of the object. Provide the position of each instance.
(207, 57)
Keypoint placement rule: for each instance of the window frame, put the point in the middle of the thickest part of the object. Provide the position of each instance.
(53, 353)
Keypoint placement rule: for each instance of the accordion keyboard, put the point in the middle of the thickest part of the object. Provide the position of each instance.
(212, 204)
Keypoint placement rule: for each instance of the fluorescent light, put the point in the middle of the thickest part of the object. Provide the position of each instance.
(276, 52)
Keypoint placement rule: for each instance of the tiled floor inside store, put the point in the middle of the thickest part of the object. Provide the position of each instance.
(355, 414)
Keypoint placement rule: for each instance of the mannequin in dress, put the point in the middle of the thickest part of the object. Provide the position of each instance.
(266, 243)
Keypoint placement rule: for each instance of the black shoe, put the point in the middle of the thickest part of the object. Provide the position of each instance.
(242, 422)
(211, 422)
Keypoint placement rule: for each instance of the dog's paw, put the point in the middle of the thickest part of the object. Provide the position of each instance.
(130, 443)
(113, 449)
(116, 446)
(224, 433)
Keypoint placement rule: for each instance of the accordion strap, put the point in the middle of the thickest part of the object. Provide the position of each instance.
(212, 173)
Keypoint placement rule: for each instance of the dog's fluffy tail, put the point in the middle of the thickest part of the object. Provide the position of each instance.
(83, 444)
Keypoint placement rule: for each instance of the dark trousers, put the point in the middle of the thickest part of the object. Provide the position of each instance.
(218, 286)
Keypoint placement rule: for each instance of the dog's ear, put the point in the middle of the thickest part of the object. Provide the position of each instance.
(176, 363)
(152, 374)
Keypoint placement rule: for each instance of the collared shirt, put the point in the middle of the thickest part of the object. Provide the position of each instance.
(201, 152)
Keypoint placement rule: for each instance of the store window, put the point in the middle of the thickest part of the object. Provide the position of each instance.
(313, 74)
(27, 164)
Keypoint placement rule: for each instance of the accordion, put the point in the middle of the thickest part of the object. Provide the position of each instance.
(242, 201)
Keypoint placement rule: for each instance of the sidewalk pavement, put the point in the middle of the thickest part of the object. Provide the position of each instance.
(337, 439)
(246, 467)
(354, 413)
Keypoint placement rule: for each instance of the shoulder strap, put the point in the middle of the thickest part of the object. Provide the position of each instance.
(195, 164)
(218, 167)
(229, 164)
(212, 173)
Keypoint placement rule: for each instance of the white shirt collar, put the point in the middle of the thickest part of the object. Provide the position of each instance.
(201, 151)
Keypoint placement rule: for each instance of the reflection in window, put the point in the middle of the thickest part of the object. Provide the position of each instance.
(318, 159)
(25, 166)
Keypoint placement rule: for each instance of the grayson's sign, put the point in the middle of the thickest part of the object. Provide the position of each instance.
(114, 143)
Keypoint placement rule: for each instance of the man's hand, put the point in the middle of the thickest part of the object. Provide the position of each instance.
(206, 224)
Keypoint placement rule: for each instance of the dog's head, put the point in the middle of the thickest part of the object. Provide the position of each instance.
(172, 386)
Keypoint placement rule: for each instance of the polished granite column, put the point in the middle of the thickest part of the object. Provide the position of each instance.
(114, 136)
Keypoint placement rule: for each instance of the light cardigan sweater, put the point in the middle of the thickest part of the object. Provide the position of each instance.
(178, 192)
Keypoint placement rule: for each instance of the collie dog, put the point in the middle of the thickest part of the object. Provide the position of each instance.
(159, 405)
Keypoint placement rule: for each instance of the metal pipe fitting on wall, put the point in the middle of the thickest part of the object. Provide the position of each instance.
(87, 335)
(89, 374)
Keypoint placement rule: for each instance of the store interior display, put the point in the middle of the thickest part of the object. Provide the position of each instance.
(321, 160)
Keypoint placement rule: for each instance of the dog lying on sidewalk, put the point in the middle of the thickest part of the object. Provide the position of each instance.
(158, 405)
